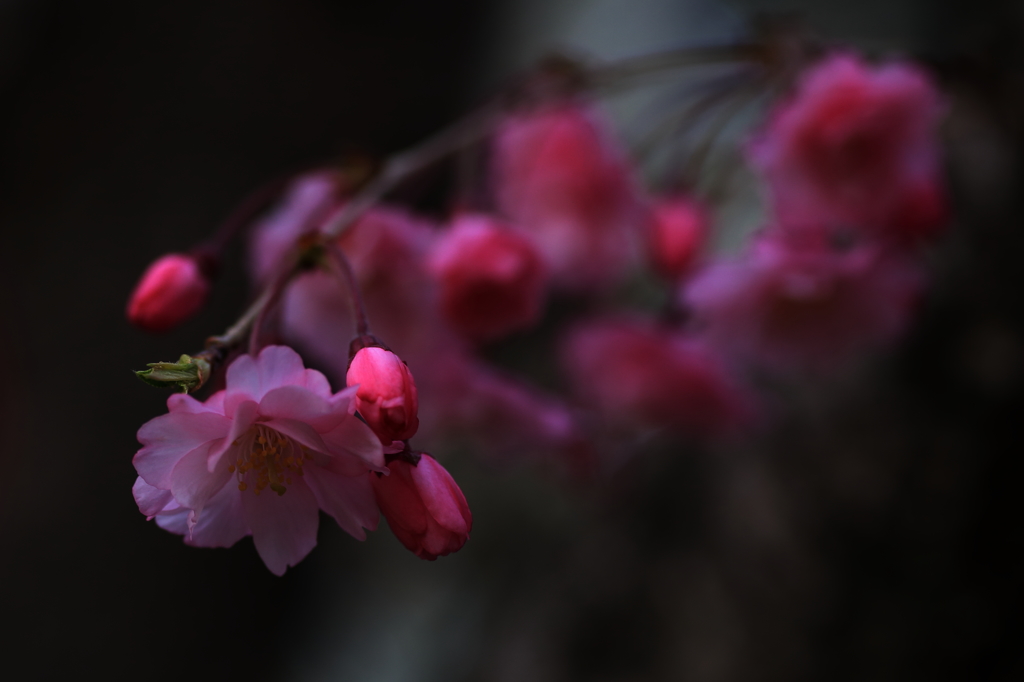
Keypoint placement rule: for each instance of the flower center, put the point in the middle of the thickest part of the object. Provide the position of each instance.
(265, 458)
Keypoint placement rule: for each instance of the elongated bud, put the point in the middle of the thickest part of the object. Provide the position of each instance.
(386, 397)
(676, 233)
(187, 374)
(424, 507)
(171, 290)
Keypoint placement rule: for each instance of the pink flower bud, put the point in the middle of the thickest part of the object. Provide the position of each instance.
(386, 397)
(492, 279)
(171, 290)
(676, 233)
(424, 507)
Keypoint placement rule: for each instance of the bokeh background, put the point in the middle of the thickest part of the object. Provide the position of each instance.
(872, 533)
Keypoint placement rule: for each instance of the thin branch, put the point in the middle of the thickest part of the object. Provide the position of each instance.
(348, 277)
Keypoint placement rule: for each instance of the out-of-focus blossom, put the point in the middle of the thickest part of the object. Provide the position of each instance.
(205, 467)
(171, 290)
(386, 396)
(856, 146)
(676, 231)
(305, 205)
(424, 507)
(506, 419)
(634, 373)
(561, 179)
(792, 302)
(387, 249)
(491, 279)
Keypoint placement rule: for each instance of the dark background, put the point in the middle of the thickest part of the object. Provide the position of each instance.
(872, 534)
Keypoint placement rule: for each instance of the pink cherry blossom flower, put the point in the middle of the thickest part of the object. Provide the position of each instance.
(491, 278)
(559, 177)
(676, 231)
(386, 395)
(796, 300)
(424, 507)
(171, 290)
(849, 146)
(635, 373)
(261, 457)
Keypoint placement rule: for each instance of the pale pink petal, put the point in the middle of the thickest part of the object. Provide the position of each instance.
(300, 432)
(182, 402)
(354, 439)
(151, 500)
(243, 383)
(192, 482)
(169, 437)
(244, 418)
(283, 526)
(300, 404)
(279, 366)
(176, 522)
(251, 379)
(222, 522)
(349, 499)
(317, 383)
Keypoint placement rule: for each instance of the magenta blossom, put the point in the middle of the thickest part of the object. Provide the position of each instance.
(424, 507)
(633, 372)
(559, 177)
(261, 457)
(856, 146)
(491, 278)
(796, 300)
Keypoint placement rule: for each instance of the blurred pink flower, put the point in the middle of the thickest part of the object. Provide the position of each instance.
(204, 465)
(796, 300)
(458, 395)
(636, 374)
(386, 395)
(559, 177)
(676, 231)
(849, 146)
(172, 289)
(491, 278)
(424, 507)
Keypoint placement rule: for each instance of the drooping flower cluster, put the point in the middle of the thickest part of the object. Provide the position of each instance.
(852, 171)
(264, 455)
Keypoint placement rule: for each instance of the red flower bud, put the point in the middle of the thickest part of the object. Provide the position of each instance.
(676, 233)
(491, 278)
(171, 290)
(386, 397)
(424, 507)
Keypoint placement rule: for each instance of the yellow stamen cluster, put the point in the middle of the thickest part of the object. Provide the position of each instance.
(265, 458)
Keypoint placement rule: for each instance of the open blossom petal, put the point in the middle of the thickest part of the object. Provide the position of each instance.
(277, 430)
(349, 499)
(283, 526)
(168, 438)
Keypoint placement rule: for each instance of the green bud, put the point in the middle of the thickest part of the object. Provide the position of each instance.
(187, 374)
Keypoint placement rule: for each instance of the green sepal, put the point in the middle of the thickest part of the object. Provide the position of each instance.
(187, 374)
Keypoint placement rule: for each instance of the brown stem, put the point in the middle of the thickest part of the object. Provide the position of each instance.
(344, 270)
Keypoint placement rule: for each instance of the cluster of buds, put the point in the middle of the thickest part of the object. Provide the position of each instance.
(851, 166)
